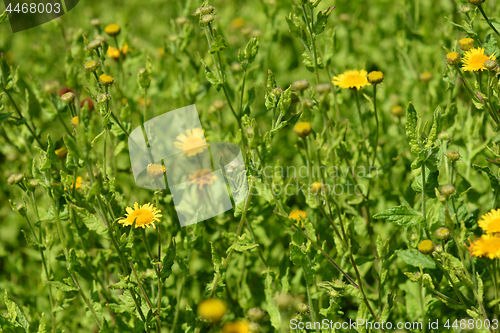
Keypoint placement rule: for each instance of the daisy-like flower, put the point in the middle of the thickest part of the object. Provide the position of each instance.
(474, 59)
(351, 79)
(155, 170)
(490, 222)
(191, 144)
(296, 214)
(78, 183)
(241, 326)
(202, 177)
(143, 216)
(113, 53)
(486, 246)
(212, 309)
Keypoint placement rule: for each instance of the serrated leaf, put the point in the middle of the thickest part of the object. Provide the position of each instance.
(401, 215)
(219, 43)
(168, 260)
(63, 286)
(32, 243)
(415, 258)
(91, 221)
(321, 20)
(272, 309)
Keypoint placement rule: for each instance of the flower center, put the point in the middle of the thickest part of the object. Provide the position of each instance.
(494, 225)
(354, 80)
(141, 217)
(492, 245)
(477, 61)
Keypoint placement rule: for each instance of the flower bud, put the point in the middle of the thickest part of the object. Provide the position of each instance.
(103, 98)
(316, 187)
(94, 45)
(206, 19)
(61, 153)
(302, 307)
(323, 88)
(300, 85)
(453, 58)
(207, 10)
(426, 246)
(112, 29)
(302, 129)
(444, 136)
(398, 111)
(20, 208)
(425, 76)
(490, 64)
(447, 190)
(15, 178)
(75, 121)
(375, 77)
(50, 87)
(143, 78)
(68, 98)
(91, 66)
(476, 2)
(181, 20)
(442, 233)
(102, 39)
(466, 44)
(452, 155)
(95, 22)
(255, 314)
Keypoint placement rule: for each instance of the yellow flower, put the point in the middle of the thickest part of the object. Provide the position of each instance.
(125, 49)
(193, 143)
(143, 216)
(112, 29)
(78, 183)
(106, 79)
(453, 58)
(466, 44)
(212, 309)
(316, 187)
(241, 326)
(155, 170)
(351, 79)
(302, 129)
(474, 60)
(425, 76)
(426, 246)
(140, 101)
(375, 77)
(398, 111)
(202, 177)
(75, 121)
(238, 23)
(113, 53)
(486, 246)
(490, 222)
(61, 153)
(297, 215)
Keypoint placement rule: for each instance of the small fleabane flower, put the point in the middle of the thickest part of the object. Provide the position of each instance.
(91, 66)
(75, 121)
(68, 97)
(106, 79)
(101, 38)
(316, 187)
(94, 45)
(212, 309)
(15, 178)
(95, 22)
(425, 76)
(486, 246)
(426, 246)
(207, 10)
(490, 65)
(453, 155)
(112, 29)
(474, 60)
(398, 111)
(155, 170)
(255, 314)
(490, 222)
(143, 216)
(50, 87)
(452, 58)
(78, 183)
(302, 129)
(476, 2)
(351, 79)
(300, 85)
(442, 233)
(103, 98)
(297, 214)
(447, 190)
(64, 90)
(375, 77)
(113, 53)
(323, 88)
(466, 44)
(205, 19)
(61, 153)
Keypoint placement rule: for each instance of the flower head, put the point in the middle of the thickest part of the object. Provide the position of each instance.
(191, 143)
(474, 60)
(442, 233)
(106, 79)
(91, 66)
(298, 215)
(490, 222)
(452, 58)
(476, 2)
(316, 187)
(202, 177)
(398, 111)
(78, 183)
(486, 246)
(94, 45)
(425, 76)
(75, 121)
(143, 216)
(155, 170)
(302, 129)
(68, 97)
(426, 246)
(241, 326)
(15, 178)
(113, 53)
(375, 77)
(61, 153)
(64, 90)
(212, 309)
(466, 44)
(300, 85)
(351, 79)
(112, 29)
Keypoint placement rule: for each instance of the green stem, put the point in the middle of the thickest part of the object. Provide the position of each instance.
(457, 291)
(361, 121)
(376, 123)
(424, 213)
(487, 19)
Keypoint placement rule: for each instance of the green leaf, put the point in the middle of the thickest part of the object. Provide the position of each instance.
(309, 62)
(272, 309)
(401, 215)
(321, 20)
(430, 184)
(91, 221)
(123, 284)
(411, 128)
(3, 17)
(295, 28)
(105, 327)
(49, 158)
(4, 116)
(415, 258)
(218, 44)
(42, 326)
(168, 260)
(63, 286)
(252, 49)
(15, 314)
(34, 244)
(490, 46)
